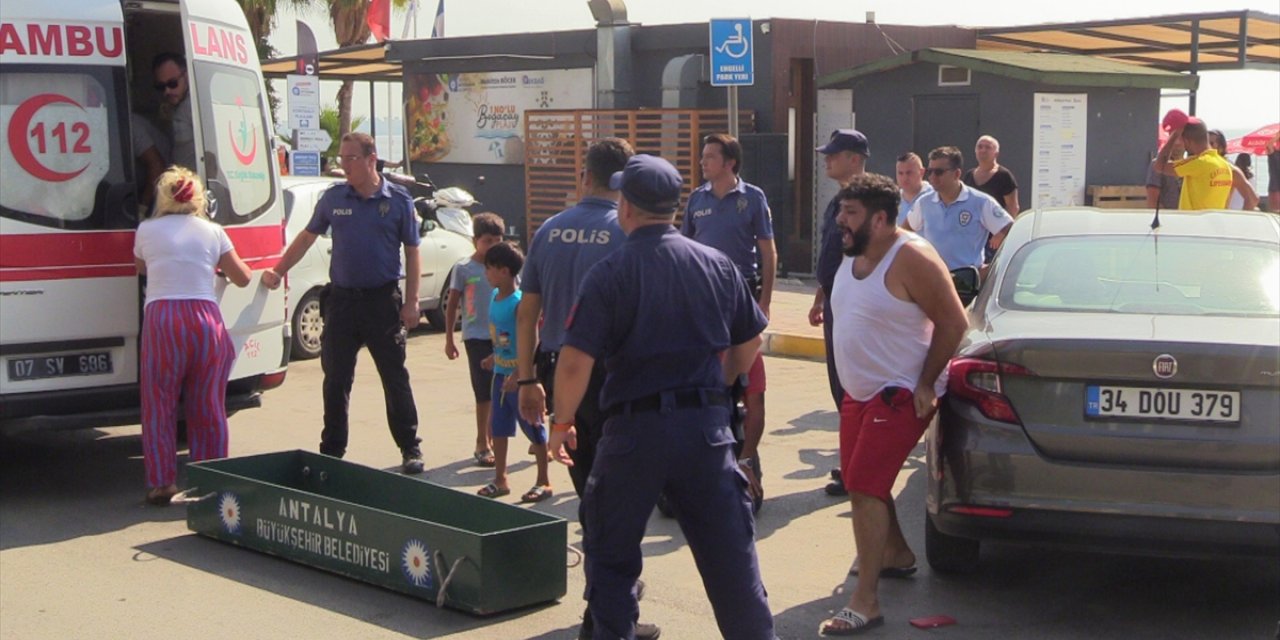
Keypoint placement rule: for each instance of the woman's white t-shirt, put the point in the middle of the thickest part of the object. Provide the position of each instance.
(181, 252)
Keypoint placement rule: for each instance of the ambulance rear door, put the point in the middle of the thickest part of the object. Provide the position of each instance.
(69, 298)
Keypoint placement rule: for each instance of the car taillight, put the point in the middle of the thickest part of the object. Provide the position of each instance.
(979, 381)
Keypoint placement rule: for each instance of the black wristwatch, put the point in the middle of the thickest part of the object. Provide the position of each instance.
(526, 382)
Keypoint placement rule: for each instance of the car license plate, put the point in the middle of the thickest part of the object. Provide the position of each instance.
(1194, 405)
(69, 364)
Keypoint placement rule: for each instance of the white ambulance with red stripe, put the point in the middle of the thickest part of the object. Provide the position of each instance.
(75, 77)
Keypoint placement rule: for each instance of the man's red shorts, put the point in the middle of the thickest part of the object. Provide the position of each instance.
(755, 376)
(876, 437)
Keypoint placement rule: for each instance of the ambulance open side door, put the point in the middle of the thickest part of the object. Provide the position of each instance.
(236, 158)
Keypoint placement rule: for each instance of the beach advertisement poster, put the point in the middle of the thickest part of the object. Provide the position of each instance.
(478, 118)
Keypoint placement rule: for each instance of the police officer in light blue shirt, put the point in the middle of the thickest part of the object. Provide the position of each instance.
(732, 215)
(369, 219)
(956, 219)
(660, 312)
(911, 184)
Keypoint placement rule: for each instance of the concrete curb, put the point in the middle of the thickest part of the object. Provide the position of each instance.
(792, 345)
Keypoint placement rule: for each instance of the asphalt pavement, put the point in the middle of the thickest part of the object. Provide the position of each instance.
(81, 556)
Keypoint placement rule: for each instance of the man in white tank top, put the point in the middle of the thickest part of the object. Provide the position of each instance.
(896, 322)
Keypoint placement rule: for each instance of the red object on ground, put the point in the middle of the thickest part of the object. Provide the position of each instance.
(931, 622)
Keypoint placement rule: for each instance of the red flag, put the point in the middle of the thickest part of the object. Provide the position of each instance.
(379, 19)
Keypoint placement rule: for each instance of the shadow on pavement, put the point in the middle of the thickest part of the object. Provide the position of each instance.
(81, 483)
(323, 590)
(1048, 592)
(813, 421)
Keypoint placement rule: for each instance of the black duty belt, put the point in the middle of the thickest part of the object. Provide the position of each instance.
(358, 292)
(681, 399)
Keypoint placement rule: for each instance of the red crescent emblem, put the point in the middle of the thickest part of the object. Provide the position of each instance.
(244, 158)
(22, 148)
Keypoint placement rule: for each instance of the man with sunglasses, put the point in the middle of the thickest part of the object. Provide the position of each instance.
(170, 72)
(956, 218)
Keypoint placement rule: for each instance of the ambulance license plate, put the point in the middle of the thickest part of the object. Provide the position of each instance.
(59, 366)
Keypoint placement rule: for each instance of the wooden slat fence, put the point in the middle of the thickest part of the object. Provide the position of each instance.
(556, 148)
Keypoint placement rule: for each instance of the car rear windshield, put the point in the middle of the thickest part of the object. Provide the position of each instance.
(1145, 274)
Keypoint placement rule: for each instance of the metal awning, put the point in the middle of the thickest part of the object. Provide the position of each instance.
(359, 62)
(1185, 42)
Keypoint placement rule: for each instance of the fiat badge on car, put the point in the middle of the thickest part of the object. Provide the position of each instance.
(1165, 366)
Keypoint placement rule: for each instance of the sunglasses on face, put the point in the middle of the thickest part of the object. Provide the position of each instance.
(172, 84)
(937, 171)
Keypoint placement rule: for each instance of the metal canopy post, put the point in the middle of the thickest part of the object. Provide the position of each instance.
(733, 111)
(1195, 62)
(373, 116)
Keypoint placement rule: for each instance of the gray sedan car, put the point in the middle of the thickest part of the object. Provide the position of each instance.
(1119, 389)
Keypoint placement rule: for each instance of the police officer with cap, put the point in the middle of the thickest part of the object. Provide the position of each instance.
(660, 312)
(369, 219)
(845, 155)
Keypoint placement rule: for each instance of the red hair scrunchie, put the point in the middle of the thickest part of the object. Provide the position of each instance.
(183, 191)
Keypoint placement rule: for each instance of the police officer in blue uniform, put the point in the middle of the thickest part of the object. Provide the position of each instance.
(660, 312)
(369, 219)
(563, 250)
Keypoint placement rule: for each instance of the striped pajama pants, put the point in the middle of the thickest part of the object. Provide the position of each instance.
(186, 353)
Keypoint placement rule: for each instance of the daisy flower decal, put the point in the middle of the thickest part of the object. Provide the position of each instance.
(415, 561)
(229, 512)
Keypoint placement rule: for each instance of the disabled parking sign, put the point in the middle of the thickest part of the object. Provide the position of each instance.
(731, 53)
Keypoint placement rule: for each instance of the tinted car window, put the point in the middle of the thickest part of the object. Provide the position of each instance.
(1145, 274)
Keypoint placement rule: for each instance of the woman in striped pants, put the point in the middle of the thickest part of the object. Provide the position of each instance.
(186, 350)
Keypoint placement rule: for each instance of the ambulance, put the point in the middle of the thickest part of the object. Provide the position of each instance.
(75, 78)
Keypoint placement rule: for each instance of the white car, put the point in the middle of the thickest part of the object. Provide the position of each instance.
(440, 250)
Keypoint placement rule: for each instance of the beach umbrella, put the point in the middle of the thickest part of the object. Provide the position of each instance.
(1236, 145)
(1256, 142)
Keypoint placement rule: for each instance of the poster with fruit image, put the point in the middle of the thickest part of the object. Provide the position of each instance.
(479, 117)
(428, 117)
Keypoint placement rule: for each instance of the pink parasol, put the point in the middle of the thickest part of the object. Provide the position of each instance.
(1256, 142)
(1235, 146)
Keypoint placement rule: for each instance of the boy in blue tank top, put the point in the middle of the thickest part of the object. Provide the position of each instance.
(502, 264)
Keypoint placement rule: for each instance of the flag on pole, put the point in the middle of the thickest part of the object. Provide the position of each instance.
(437, 29)
(378, 17)
(411, 17)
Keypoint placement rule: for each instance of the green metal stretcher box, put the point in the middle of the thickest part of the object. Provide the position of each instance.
(407, 535)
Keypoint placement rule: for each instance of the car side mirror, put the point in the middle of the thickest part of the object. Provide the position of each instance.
(967, 282)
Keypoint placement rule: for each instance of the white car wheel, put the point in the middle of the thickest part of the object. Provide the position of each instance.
(308, 327)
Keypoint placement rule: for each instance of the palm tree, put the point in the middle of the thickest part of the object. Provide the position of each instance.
(349, 26)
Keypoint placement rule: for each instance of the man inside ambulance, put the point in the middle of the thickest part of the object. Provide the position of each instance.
(170, 72)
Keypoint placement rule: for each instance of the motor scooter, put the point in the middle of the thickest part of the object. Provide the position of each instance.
(447, 207)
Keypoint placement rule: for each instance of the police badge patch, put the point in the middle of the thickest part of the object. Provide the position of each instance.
(742, 204)
(384, 207)
(965, 218)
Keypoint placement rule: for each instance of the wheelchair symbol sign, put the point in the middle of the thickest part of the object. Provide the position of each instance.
(731, 55)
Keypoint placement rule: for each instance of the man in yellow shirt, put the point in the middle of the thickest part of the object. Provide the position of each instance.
(1206, 176)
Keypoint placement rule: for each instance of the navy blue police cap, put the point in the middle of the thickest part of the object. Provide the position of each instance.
(846, 140)
(650, 183)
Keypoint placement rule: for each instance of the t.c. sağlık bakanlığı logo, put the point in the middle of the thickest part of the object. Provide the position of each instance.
(243, 135)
